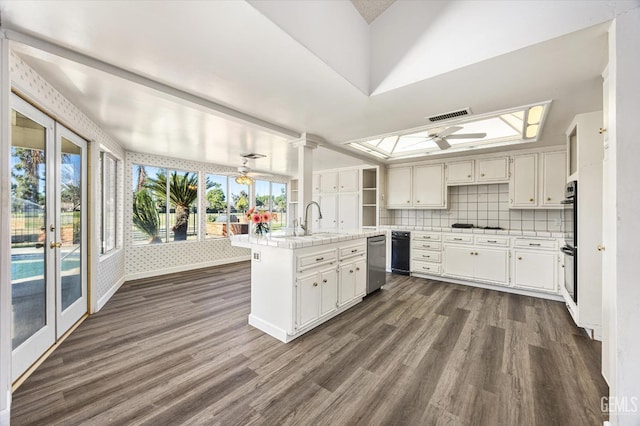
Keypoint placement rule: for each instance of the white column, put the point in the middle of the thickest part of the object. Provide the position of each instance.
(625, 308)
(306, 144)
(5, 233)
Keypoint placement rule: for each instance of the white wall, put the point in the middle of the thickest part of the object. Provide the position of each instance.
(626, 306)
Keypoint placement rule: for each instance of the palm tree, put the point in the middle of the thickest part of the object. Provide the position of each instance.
(145, 215)
(183, 191)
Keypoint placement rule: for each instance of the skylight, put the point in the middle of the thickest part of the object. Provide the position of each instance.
(519, 125)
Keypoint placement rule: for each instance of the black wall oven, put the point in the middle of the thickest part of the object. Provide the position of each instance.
(570, 248)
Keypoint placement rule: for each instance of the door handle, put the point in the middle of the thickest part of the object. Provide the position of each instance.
(53, 245)
(600, 247)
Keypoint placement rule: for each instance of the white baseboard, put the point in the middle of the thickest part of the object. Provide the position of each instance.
(182, 268)
(5, 415)
(104, 299)
(269, 328)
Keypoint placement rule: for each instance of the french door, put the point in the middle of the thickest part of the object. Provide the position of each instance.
(48, 232)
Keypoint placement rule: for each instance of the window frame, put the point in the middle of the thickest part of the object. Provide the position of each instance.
(105, 176)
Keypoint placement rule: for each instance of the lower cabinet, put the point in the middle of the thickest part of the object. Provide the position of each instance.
(353, 280)
(477, 263)
(316, 295)
(535, 270)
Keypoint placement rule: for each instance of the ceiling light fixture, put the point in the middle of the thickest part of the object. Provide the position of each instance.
(244, 180)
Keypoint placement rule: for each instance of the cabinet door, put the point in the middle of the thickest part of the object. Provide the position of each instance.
(492, 169)
(554, 178)
(329, 206)
(329, 284)
(348, 212)
(308, 299)
(399, 187)
(428, 186)
(361, 277)
(535, 270)
(460, 172)
(348, 180)
(316, 182)
(347, 283)
(491, 265)
(524, 181)
(458, 261)
(329, 182)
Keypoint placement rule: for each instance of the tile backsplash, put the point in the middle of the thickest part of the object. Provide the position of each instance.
(480, 205)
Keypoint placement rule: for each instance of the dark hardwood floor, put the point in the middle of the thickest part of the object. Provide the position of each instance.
(177, 350)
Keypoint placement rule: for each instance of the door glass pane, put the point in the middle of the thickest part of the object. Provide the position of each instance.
(216, 205)
(183, 212)
(28, 227)
(70, 222)
(238, 206)
(149, 205)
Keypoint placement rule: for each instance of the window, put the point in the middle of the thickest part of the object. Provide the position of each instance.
(109, 186)
(238, 206)
(164, 205)
(216, 206)
(272, 196)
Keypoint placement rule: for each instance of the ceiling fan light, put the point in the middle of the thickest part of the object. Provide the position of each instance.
(244, 180)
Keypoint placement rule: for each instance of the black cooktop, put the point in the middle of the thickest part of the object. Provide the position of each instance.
(471, 225)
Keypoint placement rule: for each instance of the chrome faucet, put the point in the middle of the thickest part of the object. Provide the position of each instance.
(305, 225)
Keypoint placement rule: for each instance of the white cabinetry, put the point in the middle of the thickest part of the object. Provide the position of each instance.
(536, 270)
(316, 293)
(329, 182)
(492, 169)
(329, 206)
(339, 181)
(460, 172)
(399, 187)
(353, 280)
(476, 262)
(426, 253)
(348, 212)
(416, 187)
(538, 180)
(428, 186)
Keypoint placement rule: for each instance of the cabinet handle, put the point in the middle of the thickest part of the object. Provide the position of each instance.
(351, 271)
(424, 267)
(468, 176)
(426, 238)
(426, 245)
(357, 269)
(315, 284)
(457, 239)
(324, 280)
(318, 259)
(548, 198)
(601, 130)
(531, 200)
(519, 257)
(425, 255)
(534, 244)
(492, 241)
(471, 253)
(418, 201)
(354, 250)
(408, 201)
(476, 253)
(481, 174)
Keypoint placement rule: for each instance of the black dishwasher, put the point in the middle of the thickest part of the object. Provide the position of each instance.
(400, 251)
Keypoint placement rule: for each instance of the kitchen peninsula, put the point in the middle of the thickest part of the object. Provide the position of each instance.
(299, 282)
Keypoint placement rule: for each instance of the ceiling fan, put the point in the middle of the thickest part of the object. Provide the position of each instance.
(245, 175)
(441, 138)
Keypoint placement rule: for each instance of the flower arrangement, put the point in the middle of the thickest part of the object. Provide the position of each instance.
(261, 219)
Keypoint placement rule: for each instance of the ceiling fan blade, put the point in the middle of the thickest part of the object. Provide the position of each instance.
(468, 136)
(442, 143)
(449, 130)
(257, 174)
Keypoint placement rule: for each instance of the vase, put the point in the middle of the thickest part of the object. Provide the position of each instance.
(260, 230)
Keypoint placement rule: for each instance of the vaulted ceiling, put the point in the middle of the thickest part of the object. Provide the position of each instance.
(250, 76)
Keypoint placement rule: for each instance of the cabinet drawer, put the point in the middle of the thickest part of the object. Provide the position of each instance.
(459, 239)
(426, 268)
(352, 251)
(492, 241)
(427, 256)
(426, 236)
(533, 244)
(426, 245)
(320, 258)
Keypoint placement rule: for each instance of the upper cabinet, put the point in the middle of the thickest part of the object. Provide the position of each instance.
(492, 169)
(340, 181)
(416, 187)
(460, 173)
(428, 186)
(489, 170)
(538, 180)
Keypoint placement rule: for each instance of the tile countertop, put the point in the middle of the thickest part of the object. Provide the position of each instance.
(290, 242)
(514, 233)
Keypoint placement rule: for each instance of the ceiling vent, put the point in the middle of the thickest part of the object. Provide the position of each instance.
(449, 115)
(253, 156)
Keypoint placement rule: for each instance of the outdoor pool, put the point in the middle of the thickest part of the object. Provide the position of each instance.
(32, 265)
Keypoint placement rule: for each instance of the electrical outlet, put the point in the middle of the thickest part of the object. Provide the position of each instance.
(256, 256)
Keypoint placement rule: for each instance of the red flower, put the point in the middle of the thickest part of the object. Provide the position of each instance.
(266, 216)
(256, 218)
